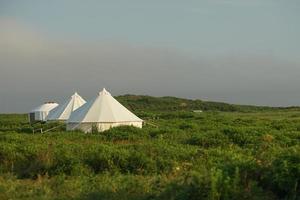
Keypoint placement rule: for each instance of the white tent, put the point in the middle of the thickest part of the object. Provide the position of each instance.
(63, 112)
(103, 112)
(40, 113)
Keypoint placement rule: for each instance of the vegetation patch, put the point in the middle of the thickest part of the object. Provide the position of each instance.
(247, 153)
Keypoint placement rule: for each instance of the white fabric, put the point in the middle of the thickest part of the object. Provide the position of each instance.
(41, 112)
(64, 111)
(102, 109)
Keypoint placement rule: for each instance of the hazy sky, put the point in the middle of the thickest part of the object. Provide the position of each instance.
(237, 51)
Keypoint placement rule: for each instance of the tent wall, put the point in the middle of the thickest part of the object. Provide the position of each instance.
(106, 126)
(41, 115)
(31, 117)
(37, 116)
(87, 127)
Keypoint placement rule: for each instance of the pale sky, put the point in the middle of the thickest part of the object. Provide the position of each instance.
(236, 51)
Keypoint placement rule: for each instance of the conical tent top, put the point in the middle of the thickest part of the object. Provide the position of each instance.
(104, 92)
(104, 108)
(64, 111)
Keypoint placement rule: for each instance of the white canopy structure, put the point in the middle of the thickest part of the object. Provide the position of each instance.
(40, 113)
(103, 112)
(63, 112)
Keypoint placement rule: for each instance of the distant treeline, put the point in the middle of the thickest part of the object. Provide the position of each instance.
(149, 103)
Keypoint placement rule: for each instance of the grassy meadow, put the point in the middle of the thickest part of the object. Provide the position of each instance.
(225, 152)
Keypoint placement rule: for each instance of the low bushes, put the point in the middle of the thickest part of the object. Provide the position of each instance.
(208, 139)
(185, 155)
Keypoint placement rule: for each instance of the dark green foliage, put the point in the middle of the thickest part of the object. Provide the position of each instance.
(284, 174)
(209, 139)
(242, 136)
(123, 133)
(148, 103)
(178, 155)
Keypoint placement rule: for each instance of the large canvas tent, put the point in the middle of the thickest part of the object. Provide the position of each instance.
(63, 111)
(103, 112)
(40, 113)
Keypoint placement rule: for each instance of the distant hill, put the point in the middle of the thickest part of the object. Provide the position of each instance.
(149, 103)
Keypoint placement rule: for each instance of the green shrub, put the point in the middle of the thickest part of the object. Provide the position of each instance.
(208, 139)
(123, 133)
(283, 175)
(212, 155)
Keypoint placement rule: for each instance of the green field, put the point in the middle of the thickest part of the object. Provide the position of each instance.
(226, 152)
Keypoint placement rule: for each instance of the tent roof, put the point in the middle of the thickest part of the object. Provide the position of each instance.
(64, 111)
(46, 107)
(103, 108)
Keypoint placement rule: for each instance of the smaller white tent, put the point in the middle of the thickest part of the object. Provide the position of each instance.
(63, 112)
(103, 112)
(40, 113)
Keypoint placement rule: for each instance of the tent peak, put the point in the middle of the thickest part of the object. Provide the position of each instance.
(64, 111)
(75, 94)
(104, 92)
